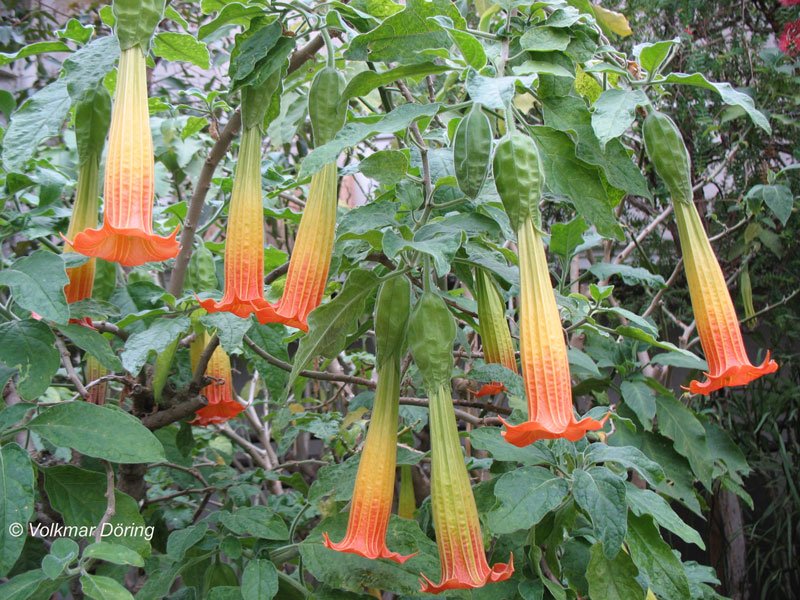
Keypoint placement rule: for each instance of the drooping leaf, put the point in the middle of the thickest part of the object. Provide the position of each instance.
(16, 490)
(601, 494)
(679, 424)
(37, 284)
(94, 343)
(155, 338)
(29, 348)
(524, 497)
(259, 580)
(612, 579)
(646, 502)
(655, 559)
(182, 47)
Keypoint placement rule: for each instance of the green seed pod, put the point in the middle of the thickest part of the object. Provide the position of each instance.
(391, 319)
(472, 151)
(202, 273)
(325, 108)
(519, 178)
(667, 151)
(431, 333)
(747, 298)
(162, 368)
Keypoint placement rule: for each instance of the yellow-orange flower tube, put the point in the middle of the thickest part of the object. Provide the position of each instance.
(222, 404)
(495, 335)
(126, 236)
(311, 256)
(717, 323)
(244, 241)
(84, 216)
(543, 352)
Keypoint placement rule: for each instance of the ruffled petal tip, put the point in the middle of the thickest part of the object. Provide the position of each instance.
(528, 432)
(241, 308)
(273, 314)
(734, 376)
(217, 413)
(490, 389)
(499, 572)
(128, 247)
(360, 550)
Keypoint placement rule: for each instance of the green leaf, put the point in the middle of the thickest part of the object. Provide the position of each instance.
(270, 338)
(387, 167)
(113, 553)
(629, 457)
(643, 336)
(94, 343)
(80, 497)
(408, 36)
(581, 365)
(565, 237)
(601, 494)
(778, 198)
(357, 131)
(37, 284)
(655, 560)
(524, 497)
(680, 425)
(40, 117)
(494, 92)
(335, 481)
(255, 521)
(583, 187)
(13, 413)
(652, 56)
(259, 580)
(85, 69)
(612, 579)
(233, 13)
(727, 94)
(646, 502)
(29, 347)
(442, 249)
(181, 47)
(29, 585)
(366, 81)
(641, 399)
(99, 431)
(469, 46)
(16, 490)
(156, 338)
(614, 113)
(136, 20)
(76, 31)
(99, 587)
(181, 540)
(229, 328)
(32, 50)
(330, 324)
(544, 39)
(92, 119)
(491, 372)
(490, 440)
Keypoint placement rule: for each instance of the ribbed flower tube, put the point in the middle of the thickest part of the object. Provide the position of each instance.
(311, 256)
(222, 404)
(84, 216)
(543, 352)
(126, 236)
(244, 241)
(455, 515)
(717, 323)
(93, 371)
(495, 335)
(374, 490)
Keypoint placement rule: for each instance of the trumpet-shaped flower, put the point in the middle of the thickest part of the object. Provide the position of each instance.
(495, 335)
(84, 215)
(244, 243)
(222, 404)
(374, 489)
(93, 371)
(126, 236)
(717, 324)
(455, 515)
(543, 352)
(311, 256)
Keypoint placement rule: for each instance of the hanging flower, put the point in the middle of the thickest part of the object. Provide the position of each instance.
(311, 256)
(455, 515)
(126, 236)
(374, 489)
(84, 215)
(789, 2)
(222, 404)
(717, 324)
(543, 350)
(244, 242)
(789, 41)
(495, 335)
(93, 371)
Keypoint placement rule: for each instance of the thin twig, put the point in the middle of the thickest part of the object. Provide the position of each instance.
(111, 502)
(66, 360)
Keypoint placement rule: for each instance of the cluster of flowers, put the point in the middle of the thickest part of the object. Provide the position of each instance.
(789, 40)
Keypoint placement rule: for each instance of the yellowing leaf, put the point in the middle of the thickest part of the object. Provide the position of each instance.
(613, 21)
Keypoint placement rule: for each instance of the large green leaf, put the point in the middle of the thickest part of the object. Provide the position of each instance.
(155, 338)
(366, 81)
(656, 560)
(16, 508)
(99, 431)
(612, 579)
(37, 284)
(490, 439)
(629, 457)
(80, 497)
(330, 324)
(94, 343)
(181, 47)
(100, 587)
(680, 425)
(641, 399)
(524, 497)
(646, 502)
(259, 580)
(256, 521)
(229, 328)
(601, 494)
(89, 65)
(614, 112)
(136, 20)
(32, 50)
(29, 348)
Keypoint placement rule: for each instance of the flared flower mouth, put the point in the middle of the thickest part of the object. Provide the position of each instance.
(490, 389)
(129, 247)
(217, 413)
(222, 404)
(531, 431)
(362, 548)
(736, 375)
(237, 306)
(279, 314)
(463, 581)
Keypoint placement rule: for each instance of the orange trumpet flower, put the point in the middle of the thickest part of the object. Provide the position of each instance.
(455, 515)
(222, 404)
(84, 215)
(126, 236)
(717, 324)
(495, 335)
(244, 243)
(543, 350)
(311, 256)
